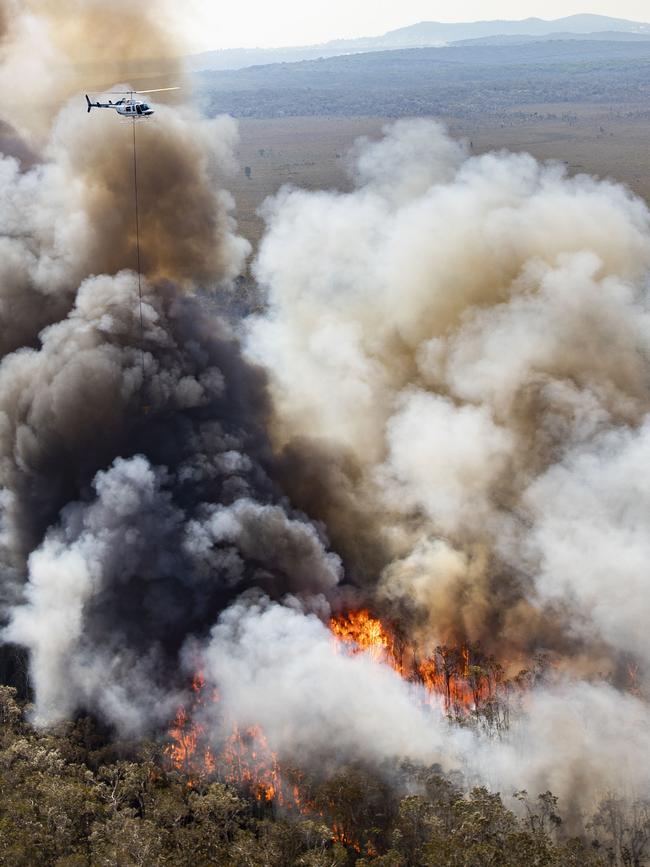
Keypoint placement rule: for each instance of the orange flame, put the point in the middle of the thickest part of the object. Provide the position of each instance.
(461, 679)
(362, 633)
(247, 762)
(339, 835)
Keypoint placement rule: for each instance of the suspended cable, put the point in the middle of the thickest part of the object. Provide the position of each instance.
(137, 244)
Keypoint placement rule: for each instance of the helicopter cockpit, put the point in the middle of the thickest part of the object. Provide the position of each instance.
(141, 109)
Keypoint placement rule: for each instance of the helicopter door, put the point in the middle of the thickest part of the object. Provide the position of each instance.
(138, 108)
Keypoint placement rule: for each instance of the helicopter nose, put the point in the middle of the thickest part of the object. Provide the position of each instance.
(149, 112)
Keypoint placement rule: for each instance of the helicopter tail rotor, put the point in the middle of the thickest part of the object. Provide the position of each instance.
(89, 103)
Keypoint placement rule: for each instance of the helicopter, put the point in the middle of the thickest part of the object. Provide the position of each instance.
(128, 106)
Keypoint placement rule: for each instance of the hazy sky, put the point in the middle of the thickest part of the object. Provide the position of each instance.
(249, 23)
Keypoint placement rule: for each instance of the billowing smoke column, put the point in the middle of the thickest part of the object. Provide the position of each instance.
(442, 415)
(134, 485)
(465, 342)
(469, 337)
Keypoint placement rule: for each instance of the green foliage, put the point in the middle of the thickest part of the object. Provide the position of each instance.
(72, 798)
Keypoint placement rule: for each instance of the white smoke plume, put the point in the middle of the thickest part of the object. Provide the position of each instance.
(279, 667)
(467, 339)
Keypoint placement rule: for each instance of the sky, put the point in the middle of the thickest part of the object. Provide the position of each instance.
(260, 23)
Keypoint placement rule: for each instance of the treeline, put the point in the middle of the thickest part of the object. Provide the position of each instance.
(72, 798)
(460, 82)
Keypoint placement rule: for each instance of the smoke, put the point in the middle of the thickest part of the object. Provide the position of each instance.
(135, 490)
(467, 339)
(577, 739)
(443, 413)
(459, 343)
(71, 397)
(268, 658)
(589, 541)
(186, 232)
(137, 501)
(50, 50)
(67, 205)
(72, 214)
(131, 553)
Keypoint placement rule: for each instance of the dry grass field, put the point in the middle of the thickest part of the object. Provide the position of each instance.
(310, 152)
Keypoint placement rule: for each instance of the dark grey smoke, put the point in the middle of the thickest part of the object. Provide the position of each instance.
(143, 507)
(136, 497)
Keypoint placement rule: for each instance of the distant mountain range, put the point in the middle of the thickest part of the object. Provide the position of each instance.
(433, 34)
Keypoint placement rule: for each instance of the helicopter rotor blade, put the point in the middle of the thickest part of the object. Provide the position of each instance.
(127, 92)
(156, 90)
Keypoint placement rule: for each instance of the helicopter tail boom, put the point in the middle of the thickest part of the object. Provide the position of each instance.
(108, 104)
